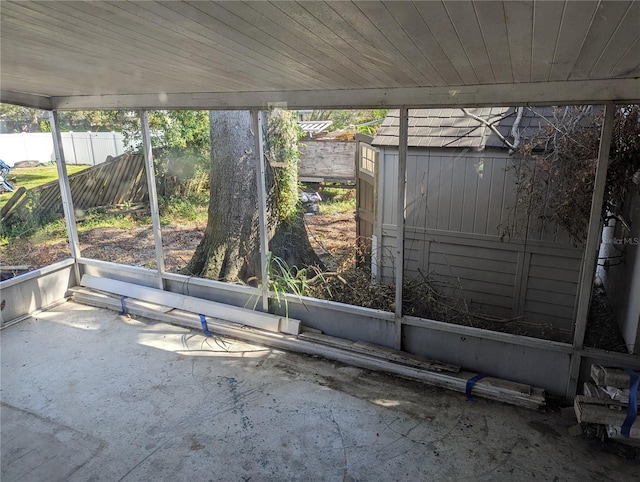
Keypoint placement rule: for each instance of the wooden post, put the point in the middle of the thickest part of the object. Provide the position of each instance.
(402, 169)
(591, 249)
(65, 192)
(153, 196)
(262, 204)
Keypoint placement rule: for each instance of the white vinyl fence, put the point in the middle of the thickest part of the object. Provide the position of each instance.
(79, 147)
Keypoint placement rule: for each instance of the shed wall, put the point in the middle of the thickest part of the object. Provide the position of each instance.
(457, 204)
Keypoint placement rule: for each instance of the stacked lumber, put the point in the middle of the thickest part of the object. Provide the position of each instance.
(609, 403)
(439, 374)
(395, 356)
(288, 335)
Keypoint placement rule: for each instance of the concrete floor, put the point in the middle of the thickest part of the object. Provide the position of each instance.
(88, 395)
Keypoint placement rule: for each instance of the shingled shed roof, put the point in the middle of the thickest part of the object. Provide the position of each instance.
(454, 128)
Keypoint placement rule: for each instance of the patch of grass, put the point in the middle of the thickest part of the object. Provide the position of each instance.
(177, 210)
(337, 200)
(50, 232)
(5, 240)
(23, 229)
(56, 230)
(116, 221)
(286, 279)
(30, 177)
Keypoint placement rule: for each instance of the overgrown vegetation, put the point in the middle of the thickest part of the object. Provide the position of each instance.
(15, 119)
(337, 200)
(176, 210)
(182, 149)
(181, 173)
(422, 297)
(181, 142)
(555, 169)
(282, 156)
(286, 279)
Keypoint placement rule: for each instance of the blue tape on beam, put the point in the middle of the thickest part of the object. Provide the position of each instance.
(470, 384)
(124, 308)
(632, 412)
(205, 328)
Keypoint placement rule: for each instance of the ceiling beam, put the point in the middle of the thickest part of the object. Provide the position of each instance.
(25, 100)
(542, 93)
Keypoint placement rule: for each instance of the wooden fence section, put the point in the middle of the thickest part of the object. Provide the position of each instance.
(327, 161)
(117, 181)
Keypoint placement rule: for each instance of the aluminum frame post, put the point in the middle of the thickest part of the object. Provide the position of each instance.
(257, 118)
(400, 214)
(153, 195)
(594, 233)
(65, 192)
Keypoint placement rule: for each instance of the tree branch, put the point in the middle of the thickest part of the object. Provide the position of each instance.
(490, 126)
(515, 133)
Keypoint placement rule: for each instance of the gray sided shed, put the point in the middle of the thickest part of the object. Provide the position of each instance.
(459, 198)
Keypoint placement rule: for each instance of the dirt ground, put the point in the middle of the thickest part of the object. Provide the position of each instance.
(132, 247)
(332, 235)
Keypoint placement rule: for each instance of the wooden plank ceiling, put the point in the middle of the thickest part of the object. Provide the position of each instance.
(240, 54)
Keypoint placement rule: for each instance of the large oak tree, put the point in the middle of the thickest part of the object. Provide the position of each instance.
(229, 249)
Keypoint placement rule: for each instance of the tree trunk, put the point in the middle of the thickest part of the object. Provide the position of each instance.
(230, 248)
